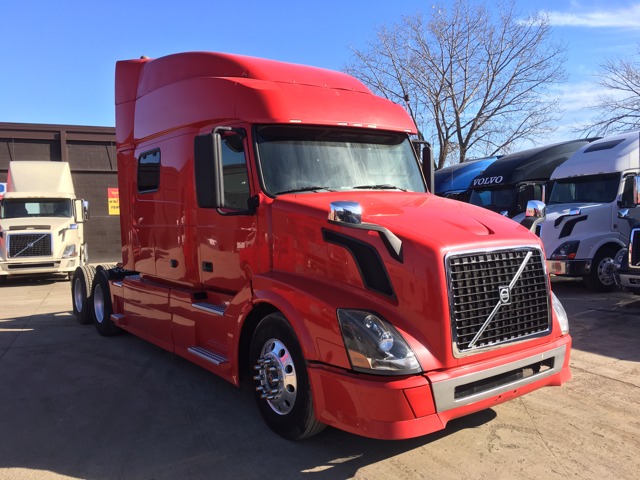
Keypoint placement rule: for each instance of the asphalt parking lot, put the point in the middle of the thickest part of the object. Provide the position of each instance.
(76, 405)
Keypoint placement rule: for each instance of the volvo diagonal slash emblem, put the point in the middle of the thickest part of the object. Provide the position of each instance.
(504, 294)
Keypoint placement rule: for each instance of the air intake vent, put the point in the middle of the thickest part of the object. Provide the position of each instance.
(372, 269)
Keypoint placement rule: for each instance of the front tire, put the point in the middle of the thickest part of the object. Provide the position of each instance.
(81, 281)
(600, 277)
(283, 391)
(102, 308)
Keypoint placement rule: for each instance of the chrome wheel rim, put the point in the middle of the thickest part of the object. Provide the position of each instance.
(276, 378)
(78, 297)
(98, 304)
(605, 271)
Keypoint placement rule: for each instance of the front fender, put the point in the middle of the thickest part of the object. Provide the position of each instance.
(310, 307)
(590, 245)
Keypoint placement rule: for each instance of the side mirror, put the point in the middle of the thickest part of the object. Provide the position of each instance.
(207, 160)
(536, 209)
(81, 208)
(529, 193)
(534, 214)
(345, 212)
(630, 193)
(349, 214)
(425, 153)
(427, 165)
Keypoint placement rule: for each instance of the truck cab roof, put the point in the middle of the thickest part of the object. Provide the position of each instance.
(616, 153)
(458, 177)
(534, 164)
(42, 179)
(219, 87)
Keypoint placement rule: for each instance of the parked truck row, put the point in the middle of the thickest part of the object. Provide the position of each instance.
(508, 184)
(584, 183)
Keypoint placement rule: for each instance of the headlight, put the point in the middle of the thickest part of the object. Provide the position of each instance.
(561, 314)
(374, 346)
(566, 251)
(69, 251)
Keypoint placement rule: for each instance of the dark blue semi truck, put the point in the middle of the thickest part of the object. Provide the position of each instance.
(510, 182)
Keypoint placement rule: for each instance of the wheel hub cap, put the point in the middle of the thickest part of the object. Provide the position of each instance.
(276, 377)
(78, 298)
(605, 271)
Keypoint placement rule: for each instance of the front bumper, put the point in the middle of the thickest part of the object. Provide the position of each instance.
(34, 266)
(627, 280)
(384, 408)
(569, 268)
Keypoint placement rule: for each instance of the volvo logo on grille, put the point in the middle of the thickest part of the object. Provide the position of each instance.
(505, 295)
(504, 292)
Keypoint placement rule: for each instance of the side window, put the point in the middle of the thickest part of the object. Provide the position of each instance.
(234, 170)
(149, 172)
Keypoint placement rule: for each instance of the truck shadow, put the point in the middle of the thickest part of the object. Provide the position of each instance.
(80, 405)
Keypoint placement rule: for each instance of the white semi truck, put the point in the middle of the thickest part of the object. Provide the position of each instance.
(41, 221)
(582, 232)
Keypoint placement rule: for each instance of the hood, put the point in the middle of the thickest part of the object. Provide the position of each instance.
(438, 222)
(556, 213)
(358, 269)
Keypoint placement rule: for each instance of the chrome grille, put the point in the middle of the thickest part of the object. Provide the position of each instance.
(478, 280)
(29, 245)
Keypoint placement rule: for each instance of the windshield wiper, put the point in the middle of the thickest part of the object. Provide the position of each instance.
(305, 189)
(384, 186)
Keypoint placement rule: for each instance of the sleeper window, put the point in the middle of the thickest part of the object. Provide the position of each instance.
(149, 172)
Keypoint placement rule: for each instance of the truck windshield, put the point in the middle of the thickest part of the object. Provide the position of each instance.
(295, 159)
(496, 199)
(587, 189)
(31, 207)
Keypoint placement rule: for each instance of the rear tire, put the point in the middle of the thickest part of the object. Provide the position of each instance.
(106, 266)
(283, 391)
(102, 307)
(81, 281)
(600, 277)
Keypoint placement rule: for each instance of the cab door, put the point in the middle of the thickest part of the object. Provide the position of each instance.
(227, 240)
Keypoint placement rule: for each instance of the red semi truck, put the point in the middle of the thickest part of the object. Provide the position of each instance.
(276, 228)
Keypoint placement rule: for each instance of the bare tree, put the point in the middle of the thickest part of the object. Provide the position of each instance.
(474, 81)
(619, 108)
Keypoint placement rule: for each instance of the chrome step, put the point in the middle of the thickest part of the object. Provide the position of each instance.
(209, 307)
(208, 355)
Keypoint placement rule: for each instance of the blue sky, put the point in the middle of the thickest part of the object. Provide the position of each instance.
(57, 58)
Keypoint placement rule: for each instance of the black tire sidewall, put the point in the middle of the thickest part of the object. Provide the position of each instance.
(105, 328)
(293, 425)
(86, 275)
